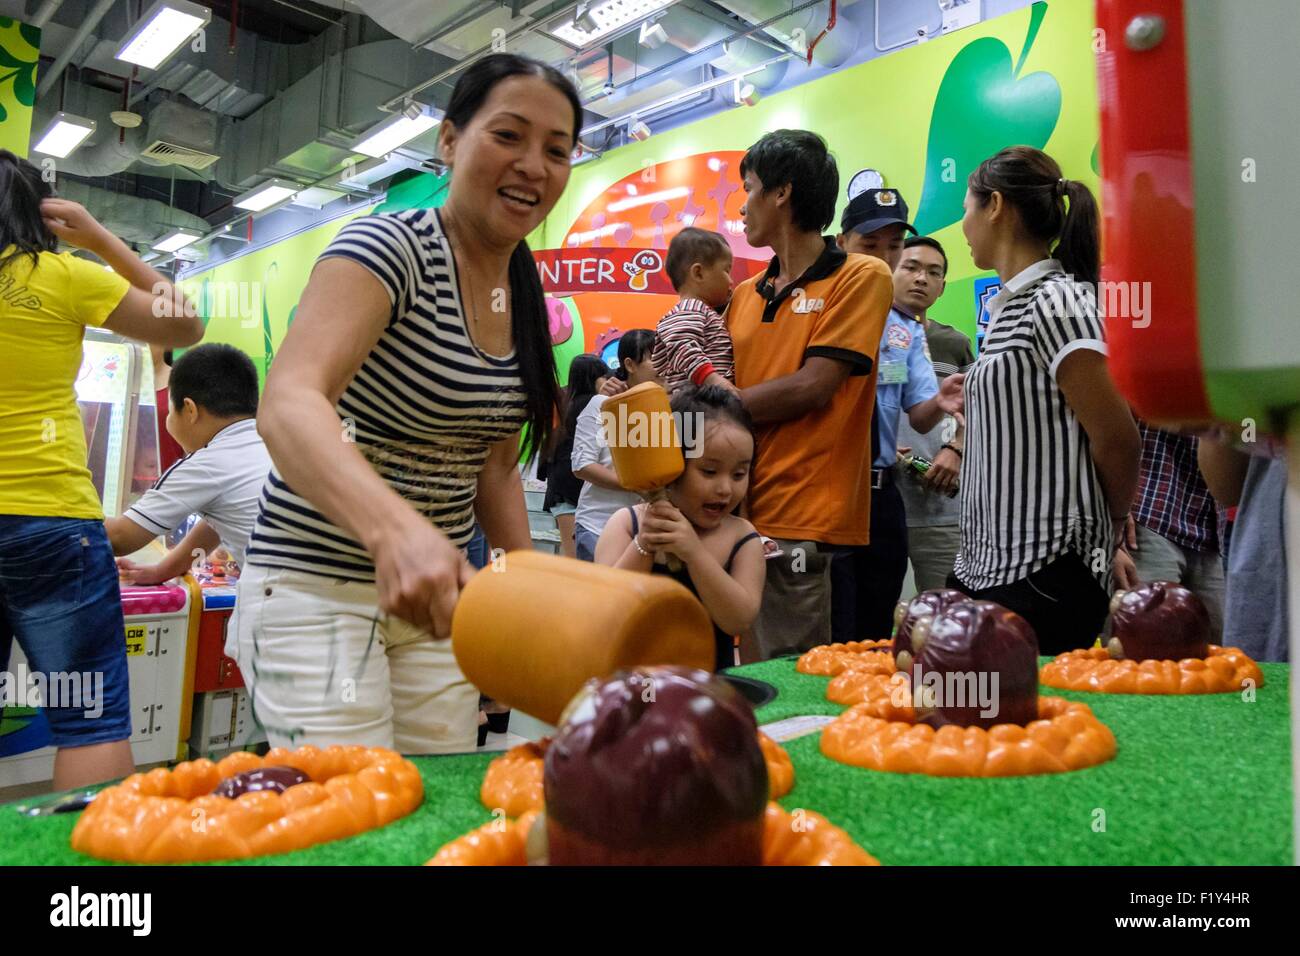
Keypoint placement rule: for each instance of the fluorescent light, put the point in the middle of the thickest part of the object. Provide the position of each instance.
(370, 171)
(162, 31)
(177, 239)
(393, 132)
(316, 197)
(64, 134)
(266, 195)
(605, 18)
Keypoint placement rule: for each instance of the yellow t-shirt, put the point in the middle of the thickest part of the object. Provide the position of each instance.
(44, 310)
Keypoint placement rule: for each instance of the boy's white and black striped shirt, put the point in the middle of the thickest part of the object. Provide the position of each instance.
(424, 408)
(1030, 492)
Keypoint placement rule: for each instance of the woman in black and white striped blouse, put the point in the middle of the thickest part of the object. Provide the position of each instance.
(1051, 452)
(392, 414)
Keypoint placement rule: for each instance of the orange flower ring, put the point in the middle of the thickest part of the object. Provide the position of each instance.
(857, 685)
(1225, 670)
(831, 659)
(513, 781)
(803, 838)
(174, 817)
(880, 736)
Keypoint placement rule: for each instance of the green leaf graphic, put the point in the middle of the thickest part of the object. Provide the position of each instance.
(24, 88)
(1036, 14)
(23, 75)
(982, 106)
(31, 34)
(267, 346)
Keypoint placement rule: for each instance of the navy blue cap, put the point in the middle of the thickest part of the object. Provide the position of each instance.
(873, 208)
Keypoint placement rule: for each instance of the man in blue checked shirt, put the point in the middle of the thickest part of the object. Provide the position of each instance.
(1172, 533)
(866, 581)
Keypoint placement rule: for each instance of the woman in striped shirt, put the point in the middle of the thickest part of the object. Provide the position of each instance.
(1051, 453)
(392, 414)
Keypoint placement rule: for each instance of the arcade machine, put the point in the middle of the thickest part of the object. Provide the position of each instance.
(116, 397)
(1198, 144)
(222, 714)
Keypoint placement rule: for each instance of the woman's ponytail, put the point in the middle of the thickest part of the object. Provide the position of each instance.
(1079, 249)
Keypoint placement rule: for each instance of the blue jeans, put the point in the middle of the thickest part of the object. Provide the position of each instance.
(476, 552)
(585, 543)
(59, 597)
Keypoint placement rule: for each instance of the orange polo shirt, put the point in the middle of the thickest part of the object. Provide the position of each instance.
(812, 475)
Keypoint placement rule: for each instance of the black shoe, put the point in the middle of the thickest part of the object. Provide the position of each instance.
(499, 723)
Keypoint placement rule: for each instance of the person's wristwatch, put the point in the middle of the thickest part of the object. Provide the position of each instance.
(952, 448)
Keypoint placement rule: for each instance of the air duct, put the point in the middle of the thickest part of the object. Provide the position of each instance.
(746, 52)
(116, 152)
(129, 217)
(801, 28)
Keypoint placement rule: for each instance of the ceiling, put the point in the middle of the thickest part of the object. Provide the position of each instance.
(281, 87)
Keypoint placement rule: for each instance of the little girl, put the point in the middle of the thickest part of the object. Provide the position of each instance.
(721, 554)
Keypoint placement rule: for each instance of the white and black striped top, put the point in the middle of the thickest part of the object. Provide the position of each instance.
(1030, 492)
(424, 407)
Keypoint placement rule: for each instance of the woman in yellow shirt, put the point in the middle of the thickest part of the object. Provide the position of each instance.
(58, 581)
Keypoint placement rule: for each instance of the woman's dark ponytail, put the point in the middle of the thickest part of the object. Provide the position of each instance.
(1079, 249)
(532, 336)
(1052, 208)
(21, 223)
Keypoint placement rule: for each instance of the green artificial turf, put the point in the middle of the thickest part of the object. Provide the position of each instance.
(1198, 780)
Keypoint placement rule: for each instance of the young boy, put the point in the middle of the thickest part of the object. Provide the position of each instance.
(693, 345)
(213, 404)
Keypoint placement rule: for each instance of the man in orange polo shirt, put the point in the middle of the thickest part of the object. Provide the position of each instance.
(806, 334)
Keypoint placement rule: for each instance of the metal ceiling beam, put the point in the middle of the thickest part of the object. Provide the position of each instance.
(87, 27)
(474, 57)
(738, 35)
(47, 10)
(663, 101)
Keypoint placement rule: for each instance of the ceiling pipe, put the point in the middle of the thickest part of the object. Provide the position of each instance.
(830, 25)
(674, 65)
(474, 57)
(466, 17)
(97, 13)
(647, 108)
(47, 10)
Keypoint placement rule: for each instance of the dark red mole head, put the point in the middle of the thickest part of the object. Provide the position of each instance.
(655, 756)
(972, 641)
(925, 604)
(1159, 621)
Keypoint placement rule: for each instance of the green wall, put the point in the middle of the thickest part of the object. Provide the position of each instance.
(1025, 78)
(924, 117)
